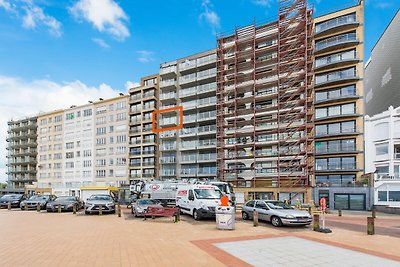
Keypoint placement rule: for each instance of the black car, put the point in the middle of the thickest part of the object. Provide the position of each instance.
(66, 203)
(33, 201)
(15, 200)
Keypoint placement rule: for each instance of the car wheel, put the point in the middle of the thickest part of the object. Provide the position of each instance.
(276, 221)
(86, 212)
(196, 215)
(245, 216)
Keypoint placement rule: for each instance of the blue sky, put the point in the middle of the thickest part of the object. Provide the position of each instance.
(55, 53)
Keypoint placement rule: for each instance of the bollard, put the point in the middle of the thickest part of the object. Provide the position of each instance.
(309, 210)
(74, 209)
(340, 213)
(316, 222)
(119, 210)
(178, 215)
(9, 206)
(373, 213)
(38, 207)
(59, 208)
(101, 210)
(255, 218)
(26, 206)
(370, 226)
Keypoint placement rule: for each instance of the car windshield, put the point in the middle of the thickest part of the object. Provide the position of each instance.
(147, 202)
(11, 197)
(222, 187)
(39, 198)
(66, 199)
(100, 197)
(276, 205)
(207, 193)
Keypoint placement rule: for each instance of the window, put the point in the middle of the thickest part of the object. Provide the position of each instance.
(100, 173)
(69, 165)
(337, 75)
(394, 195)
(100, 110)
(382, 170)
(87, 153)
(336, 128)
(58, 128)
(69, 155)
(70, 116)
(87, 163)
(101, 120)
(87, 112)
(58, 156)
(69, 145)
(101, 130)
(100, 141)
(121, 116)
(260, 205)
(250, 203)
(121, 138)
(382, 149)
(100, 163)
(382, 195)
(121, 105)
(58, 118)
(346, 109)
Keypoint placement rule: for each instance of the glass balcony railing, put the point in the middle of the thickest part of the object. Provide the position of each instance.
(332, 41)
(332, 23)
(336, 76)
(336, 58)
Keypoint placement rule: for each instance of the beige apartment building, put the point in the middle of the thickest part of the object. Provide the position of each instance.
(339, 108)
(143, 142)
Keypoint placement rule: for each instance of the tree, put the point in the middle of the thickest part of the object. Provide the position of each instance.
(3, 185)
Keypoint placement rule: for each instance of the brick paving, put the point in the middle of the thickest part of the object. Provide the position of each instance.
(28, 238)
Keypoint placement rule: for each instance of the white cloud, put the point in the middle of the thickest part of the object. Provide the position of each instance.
(34, 17)
(145, 56)
(105, 15)
(208, 15)
(383, 4)
(129, 85)
(20, 98)
(100, 42)
(7, 6)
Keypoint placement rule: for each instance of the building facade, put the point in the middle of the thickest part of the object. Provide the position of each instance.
(21, 152)
(191, 151)
(339, 108)
(382, 155)
(143, 142)
(265, 108)
(84, 146)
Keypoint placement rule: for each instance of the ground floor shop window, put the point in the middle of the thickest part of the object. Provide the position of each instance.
(350, 201)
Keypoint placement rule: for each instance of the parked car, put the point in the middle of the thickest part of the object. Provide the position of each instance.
(33, 201)
(94, 202)
(67, 203)
(15, 200)
(140, 206)
(276, 212)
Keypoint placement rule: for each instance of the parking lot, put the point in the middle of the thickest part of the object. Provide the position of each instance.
(29, 238)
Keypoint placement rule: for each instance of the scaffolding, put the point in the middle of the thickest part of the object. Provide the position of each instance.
(264, 91)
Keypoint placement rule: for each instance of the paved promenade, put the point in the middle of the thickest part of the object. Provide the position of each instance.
(41, 239)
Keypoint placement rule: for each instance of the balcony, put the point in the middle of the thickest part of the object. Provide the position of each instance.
(168, 70)
(168, 160)
(336, 42)
(340, 23)
(168, 83)
(332, 78)
(335, 149)
(337, 60)
(346, 167)
(170, 95)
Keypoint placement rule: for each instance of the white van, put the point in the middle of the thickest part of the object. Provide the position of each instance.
(198, 200)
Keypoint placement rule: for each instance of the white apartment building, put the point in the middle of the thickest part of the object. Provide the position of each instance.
(83, 146)
(382, 155)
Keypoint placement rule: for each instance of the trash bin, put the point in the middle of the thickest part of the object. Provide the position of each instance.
(225, 217)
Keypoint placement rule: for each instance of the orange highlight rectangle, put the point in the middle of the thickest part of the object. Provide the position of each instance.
(158, 111)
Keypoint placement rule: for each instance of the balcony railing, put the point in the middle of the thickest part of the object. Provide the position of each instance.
(337, 167)
(336, 40)
(332, 23)
(336, 76)
(335, 148)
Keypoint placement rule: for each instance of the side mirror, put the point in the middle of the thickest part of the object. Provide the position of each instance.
(191, 197)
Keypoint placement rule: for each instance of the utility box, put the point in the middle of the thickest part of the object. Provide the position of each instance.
(225, 217)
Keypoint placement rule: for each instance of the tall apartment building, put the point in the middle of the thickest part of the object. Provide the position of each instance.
(143, 142)
(190, 152)
(265, 107)
(84, 146)
(50, 157)
(339, 108)
(382, 123)
(21, 152)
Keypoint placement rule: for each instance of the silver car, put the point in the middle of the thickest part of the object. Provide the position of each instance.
(94, 202)
(140, 206)
(276, 212)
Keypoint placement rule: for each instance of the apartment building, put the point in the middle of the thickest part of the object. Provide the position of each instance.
(382, 155)
(21, 152)
(50, 157)
(264, 106)
(83, 146)
(111, 134)
(190, 152)
(382, 122)
(339, 108)
(143, 142)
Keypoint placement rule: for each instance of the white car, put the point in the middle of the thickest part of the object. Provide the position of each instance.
(276, 212)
